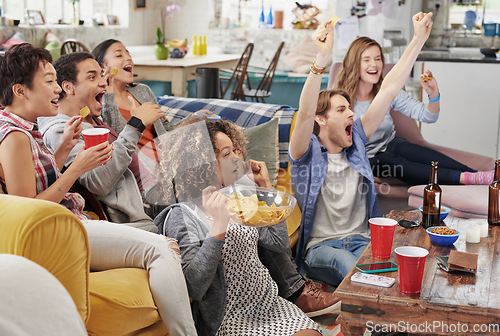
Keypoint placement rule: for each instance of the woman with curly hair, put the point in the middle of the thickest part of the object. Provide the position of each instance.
(233, 292)
(179, 141)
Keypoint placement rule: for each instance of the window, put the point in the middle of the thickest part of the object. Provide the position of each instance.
(13, 9)
(56, 11)
(490, 10)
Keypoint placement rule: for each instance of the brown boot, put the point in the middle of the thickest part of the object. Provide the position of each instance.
(315, 302)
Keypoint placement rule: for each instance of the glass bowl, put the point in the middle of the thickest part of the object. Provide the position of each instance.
(441, 239)
(259, 207)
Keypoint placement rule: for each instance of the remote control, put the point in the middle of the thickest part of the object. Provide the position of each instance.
(373, 279)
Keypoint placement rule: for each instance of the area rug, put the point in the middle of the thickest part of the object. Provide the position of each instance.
(327, 322)
(328, 326)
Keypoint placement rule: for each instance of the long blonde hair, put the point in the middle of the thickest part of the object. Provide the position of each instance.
(348, 77)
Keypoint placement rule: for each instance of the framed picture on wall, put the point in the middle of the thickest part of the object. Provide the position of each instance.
(139, 4)
(112, 20)
(35, 17)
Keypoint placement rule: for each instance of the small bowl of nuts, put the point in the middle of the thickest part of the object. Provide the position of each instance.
(444, 212)
(443, 235)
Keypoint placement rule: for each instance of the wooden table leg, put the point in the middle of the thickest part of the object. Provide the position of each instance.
(179, 83)
(350, 330)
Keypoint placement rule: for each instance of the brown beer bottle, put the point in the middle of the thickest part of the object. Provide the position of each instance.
(432, 199)
(493, 198)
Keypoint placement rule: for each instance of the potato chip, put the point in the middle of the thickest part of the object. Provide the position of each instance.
(113, 72)
(250, 211)
(84, 112)
(334, 19)
(425, 79)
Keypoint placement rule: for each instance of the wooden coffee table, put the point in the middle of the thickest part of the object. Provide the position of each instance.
(448, 304)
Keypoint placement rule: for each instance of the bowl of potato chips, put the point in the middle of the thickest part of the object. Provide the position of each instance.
(256, 206)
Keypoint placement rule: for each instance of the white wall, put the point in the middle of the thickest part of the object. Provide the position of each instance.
(192, 19)
(141, 28)
(393, 16)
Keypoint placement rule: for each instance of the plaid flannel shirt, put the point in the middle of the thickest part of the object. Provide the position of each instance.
(46, 170)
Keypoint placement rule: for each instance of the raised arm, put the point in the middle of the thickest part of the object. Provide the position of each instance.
(299, 142)
(429, 84)
(397, 77)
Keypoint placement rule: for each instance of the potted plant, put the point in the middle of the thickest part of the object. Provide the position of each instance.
(161, 50)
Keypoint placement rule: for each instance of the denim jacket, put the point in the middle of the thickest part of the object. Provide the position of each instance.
(309, 173)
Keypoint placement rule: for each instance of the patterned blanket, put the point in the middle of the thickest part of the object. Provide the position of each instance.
(244, 114)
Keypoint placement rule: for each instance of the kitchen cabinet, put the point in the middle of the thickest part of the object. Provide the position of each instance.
(470, 105)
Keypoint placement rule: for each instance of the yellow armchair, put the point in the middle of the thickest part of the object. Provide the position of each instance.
(284, 184)
(111, 302)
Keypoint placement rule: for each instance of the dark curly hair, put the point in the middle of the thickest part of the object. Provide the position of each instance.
(18, 66)
(188, 158)
(66, 67)
(233, 131)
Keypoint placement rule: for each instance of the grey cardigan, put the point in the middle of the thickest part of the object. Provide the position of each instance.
(113, 184)
(110, 113)
(201, 260)
(111, 116)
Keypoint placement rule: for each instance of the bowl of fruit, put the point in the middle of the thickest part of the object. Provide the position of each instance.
(178, 48)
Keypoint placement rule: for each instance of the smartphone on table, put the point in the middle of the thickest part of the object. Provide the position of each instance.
(377, 267)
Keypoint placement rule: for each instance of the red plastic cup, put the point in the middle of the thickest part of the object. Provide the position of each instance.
(95, 136)
(382, 234)
(411, 264)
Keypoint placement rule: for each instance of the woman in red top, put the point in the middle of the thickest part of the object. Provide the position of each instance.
(122, 93)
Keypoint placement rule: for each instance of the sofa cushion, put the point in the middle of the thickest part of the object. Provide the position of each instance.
(469, 201)
(263, 146)
(53, 45)
(15, 39)
(121, 303)
(244, 114)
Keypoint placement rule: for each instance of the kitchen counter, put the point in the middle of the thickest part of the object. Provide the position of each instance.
(467, 55)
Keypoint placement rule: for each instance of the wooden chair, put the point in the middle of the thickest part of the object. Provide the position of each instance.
(263, 90)
(238, 75)
(71, 46)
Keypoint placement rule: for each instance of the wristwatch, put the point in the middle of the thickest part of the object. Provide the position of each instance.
(136, 123)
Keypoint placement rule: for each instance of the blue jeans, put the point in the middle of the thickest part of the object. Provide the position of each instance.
(330, 260)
